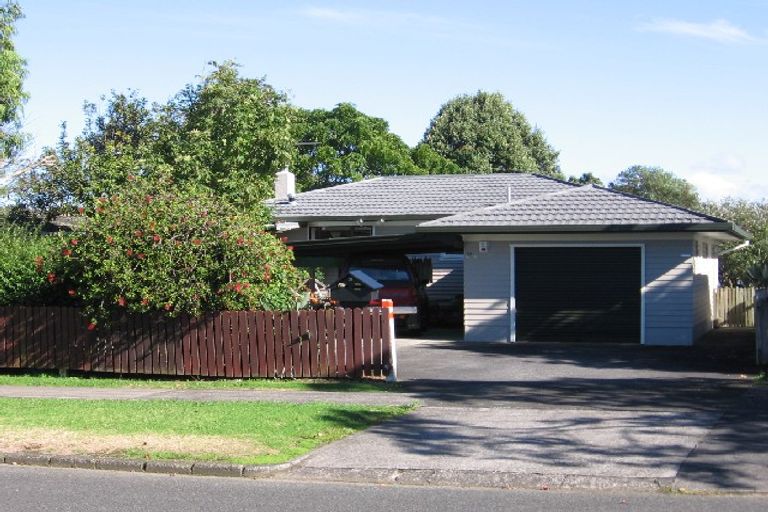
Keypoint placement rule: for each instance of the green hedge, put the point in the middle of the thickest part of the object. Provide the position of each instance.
(28, 266)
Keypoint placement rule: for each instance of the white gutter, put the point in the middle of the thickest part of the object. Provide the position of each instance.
(737, 248)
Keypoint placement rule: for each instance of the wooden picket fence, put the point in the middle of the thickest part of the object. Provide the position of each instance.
(735, 307)
(331, 343)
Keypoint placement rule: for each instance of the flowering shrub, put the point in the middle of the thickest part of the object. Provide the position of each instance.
(29, 267)
(159, 247)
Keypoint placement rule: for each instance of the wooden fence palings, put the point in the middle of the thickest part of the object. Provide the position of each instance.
(735, 307)
(310, 344)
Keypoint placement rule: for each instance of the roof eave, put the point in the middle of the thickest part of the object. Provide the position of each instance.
(355, 218)
(727, 227)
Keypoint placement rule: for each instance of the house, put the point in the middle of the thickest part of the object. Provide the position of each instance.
(543, 260)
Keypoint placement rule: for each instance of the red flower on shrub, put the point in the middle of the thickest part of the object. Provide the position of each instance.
(138, 233)
(110, 239)
(121, 301)
(129, 252)
(197, 241)
(91, 326)
(72, 293)
(156, 238)
(141, 255)
(74, 241)
(99, 209)
(81, 210)
(51, 277)
(240, 241)
(168, 306)
(39, 263)
(289, 247)
(66, 252)
(238, 287)
(145, 301)
(148, 198)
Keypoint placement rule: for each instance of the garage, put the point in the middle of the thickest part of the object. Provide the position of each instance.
(577, 294)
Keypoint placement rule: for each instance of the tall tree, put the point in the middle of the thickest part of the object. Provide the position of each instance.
(12, 73)
(484, 133)
(658, 185)
(228, 133)
(343, 145)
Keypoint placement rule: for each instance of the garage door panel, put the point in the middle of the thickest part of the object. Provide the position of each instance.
(579, 294)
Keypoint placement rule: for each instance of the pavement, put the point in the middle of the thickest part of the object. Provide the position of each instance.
(541, 416)
(566, 416)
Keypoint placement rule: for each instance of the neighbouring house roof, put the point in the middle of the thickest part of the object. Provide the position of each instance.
(413, 197)
(585, 208)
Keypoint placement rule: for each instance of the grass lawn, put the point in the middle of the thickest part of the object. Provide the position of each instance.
(136, 382)
(239, 432)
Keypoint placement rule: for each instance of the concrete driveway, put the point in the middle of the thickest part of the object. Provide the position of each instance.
(557, 415)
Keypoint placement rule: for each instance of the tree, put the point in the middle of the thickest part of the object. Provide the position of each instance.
(344, 145)
(113, 145)
(744, 266)
(12, 73)
(484, 133)
(658, 185)
(161, 246)
(431, 162)
(227, 133)
(586, 178)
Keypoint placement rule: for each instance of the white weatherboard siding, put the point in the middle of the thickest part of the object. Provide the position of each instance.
(668, 292)
(705, 281)
(447, 277)
(486, 292)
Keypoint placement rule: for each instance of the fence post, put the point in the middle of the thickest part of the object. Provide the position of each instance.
(388, 306)
(761, 326)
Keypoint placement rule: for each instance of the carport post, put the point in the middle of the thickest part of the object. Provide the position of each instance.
(388, 307)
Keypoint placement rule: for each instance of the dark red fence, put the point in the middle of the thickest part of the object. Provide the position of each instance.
(238, 344)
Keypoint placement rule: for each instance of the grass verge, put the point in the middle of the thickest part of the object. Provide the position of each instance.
(45, 379)
(237, 432)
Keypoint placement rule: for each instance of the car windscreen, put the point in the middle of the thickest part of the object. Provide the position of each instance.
(384, 274)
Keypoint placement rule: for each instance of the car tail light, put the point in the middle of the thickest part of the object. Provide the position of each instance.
(400, 296)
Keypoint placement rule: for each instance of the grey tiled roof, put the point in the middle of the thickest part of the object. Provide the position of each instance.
(582, 206)
(417, 196)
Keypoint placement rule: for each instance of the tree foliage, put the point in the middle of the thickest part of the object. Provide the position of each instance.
(159, 246)
(484, 133)
(227, 133)
(431, 162)
(658, 185)
(744, 266)
(12, 73)
(28, 266)
(343, 145)
(586, 178)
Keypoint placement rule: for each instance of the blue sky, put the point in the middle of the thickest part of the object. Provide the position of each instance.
(680, 84)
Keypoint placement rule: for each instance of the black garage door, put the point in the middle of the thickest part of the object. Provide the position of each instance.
(578, 294)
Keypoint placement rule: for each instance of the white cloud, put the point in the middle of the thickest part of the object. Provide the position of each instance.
(726, 175)
(372, 16)
(328, 14)
(721, 31)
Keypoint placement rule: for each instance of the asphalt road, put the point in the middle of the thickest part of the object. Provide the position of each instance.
(44, 489)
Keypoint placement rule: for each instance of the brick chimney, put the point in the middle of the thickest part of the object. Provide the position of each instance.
(285, 185)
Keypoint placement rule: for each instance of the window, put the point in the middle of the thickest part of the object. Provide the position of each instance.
(383, 274)
(325, 233)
